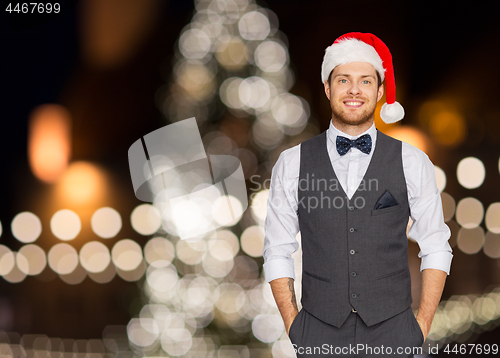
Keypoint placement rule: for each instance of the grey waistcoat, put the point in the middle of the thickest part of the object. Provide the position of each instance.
(353, 255)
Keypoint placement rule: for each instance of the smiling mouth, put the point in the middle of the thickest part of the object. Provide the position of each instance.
(353, 104)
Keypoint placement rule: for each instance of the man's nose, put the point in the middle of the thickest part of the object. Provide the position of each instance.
(354, 89)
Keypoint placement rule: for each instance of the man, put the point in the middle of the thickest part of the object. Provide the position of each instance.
(350, 191)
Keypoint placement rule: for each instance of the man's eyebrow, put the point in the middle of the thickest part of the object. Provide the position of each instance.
(347, 75)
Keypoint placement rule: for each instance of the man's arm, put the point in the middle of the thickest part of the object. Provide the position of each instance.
(284, 295)
(432, 288)
(428, 230)
(281, 228)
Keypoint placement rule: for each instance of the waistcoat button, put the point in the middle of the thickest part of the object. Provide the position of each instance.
(353, 273)
(353, 295)
(352, 252)
(351, 229)
(351, 208)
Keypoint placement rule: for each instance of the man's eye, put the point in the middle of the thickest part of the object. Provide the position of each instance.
(343, 80)
(366, 82)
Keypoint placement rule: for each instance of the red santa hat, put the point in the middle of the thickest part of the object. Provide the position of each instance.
(366, 47)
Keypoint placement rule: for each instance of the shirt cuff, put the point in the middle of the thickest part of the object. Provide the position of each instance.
(437, 260)
(278, 267)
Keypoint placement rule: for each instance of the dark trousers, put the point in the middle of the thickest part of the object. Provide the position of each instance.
(398, 336)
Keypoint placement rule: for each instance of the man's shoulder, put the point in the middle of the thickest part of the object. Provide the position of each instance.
(415, 159)
(287, 163)
(290, 153)
(414, 152)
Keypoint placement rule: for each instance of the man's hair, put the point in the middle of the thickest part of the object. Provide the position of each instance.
(379, 80)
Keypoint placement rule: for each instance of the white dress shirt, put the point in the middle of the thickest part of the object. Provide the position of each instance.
(282, 224)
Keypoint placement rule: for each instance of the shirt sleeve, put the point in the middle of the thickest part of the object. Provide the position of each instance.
(428, 228)
(282, 225)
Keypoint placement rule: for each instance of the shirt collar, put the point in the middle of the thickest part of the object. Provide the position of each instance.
(333, 132)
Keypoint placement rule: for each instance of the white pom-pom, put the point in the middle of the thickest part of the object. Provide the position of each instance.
(391, 113)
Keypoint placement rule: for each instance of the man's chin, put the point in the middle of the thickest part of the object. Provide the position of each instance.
(352, 120)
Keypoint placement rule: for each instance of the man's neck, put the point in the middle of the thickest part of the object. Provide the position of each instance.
(350, 129)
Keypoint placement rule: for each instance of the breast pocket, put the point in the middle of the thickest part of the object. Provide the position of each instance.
(390, 209)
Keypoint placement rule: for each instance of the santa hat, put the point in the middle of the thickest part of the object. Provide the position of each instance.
(366, 47)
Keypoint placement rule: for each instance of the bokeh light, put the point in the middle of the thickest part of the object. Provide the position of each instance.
(254, 92)
(259, 205)
(145, 219)
(291, 113)
(63, 258)
(229, 297)
(252, 241)
(221, 250)
(65, 224)
(190, 252)
(491, 246)
(469, 213)
(448, 128)
(449, 206)
(492, 218)
(49, 141)
(94, 257)
(411, 135)
(471, 172)
(196, 79)
(159, 252)
(267, 328)
(227, 210)
(143, 332)
(443, 121)
(161, 279)
(470, 241)
(126, 255)
(271, 56)
(215, 262)
(194, 44)
(31, 259)
(232, 53)
(26, 227)
(266, 132)
(81, 184)
(254, 25)
(106, 222)
(229, 92)
(7, 260)
(15, 275)
(176, 341)
(440, 178)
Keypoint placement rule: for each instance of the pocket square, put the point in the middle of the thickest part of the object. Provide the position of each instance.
(386, 201)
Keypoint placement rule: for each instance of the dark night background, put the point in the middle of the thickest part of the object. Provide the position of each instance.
(438, 49)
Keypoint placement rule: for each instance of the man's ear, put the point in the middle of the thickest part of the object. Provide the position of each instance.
(380, 92)
(327, 89)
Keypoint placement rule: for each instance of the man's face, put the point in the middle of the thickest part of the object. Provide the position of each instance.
(353, 93)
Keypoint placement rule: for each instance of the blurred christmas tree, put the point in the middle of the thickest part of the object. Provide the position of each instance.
(208, 297)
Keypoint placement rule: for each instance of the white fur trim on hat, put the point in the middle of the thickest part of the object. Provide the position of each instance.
(350, 50)
(391, 113)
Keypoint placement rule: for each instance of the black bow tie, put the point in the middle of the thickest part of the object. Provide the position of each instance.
(363, 143)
